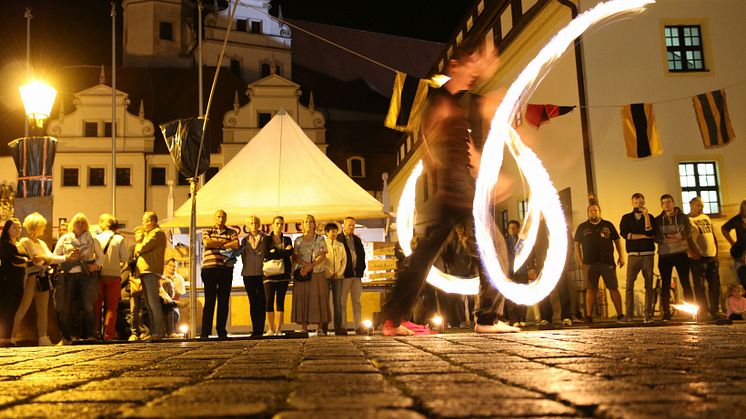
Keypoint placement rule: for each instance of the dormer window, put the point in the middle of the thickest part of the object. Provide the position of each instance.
(166, 31)
(356, 167)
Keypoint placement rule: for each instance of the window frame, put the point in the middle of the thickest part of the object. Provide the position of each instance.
(255, 26)
(352, 159)
(683, 49)
(242, 25)
(103, 178)
(260, 123)
(165, 176)
(165, 24)
(77, 176)
(87, 125)
(129, 178)
(686, 191)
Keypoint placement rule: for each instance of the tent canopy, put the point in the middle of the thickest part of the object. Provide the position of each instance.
(279, 172)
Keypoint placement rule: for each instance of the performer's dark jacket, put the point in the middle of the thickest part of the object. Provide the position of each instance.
(631, 225)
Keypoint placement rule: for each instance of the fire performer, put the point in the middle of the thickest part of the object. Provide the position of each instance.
(452, 135)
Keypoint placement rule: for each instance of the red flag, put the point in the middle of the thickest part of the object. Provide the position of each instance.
(538, 115)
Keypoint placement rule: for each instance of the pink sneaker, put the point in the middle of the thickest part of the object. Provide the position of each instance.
(418, 329)
(390, 330)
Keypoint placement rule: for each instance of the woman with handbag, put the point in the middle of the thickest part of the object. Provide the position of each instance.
(276, 269)
(13, 262)
(310, 288)
(253, 247)
(36, 286)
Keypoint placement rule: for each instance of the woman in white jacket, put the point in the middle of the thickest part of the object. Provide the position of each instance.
(36, 285)
(336, 260)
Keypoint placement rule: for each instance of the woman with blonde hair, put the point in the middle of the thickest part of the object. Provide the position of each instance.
(253, 250)
(36, 286)
(310, 288)
(13, 262)
(80, 287)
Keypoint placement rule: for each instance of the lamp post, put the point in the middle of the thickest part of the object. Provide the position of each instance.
(34, 155)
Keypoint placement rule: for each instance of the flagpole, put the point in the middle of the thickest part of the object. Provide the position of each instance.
(193, 185)
(113, 109)
(27, 15)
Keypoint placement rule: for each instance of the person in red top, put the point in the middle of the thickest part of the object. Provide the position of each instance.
(217, 276)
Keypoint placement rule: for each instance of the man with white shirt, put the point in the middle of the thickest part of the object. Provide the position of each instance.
(703, 259)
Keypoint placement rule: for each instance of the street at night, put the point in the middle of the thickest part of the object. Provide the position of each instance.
(688, 370)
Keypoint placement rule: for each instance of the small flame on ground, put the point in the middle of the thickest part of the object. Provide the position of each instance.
(367, 324)
(687, 308)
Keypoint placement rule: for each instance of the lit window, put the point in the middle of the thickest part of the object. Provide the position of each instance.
(522, 209)
(684, 48)
(700, 179)
(96, 176)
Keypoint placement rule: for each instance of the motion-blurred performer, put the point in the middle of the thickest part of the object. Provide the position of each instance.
(452, 133)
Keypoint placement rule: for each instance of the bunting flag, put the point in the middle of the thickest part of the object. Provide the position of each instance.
(538, 115)
(407, 100)
(713, 119)
(640, 133)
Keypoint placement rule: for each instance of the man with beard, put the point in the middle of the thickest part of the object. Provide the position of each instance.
(595, 240)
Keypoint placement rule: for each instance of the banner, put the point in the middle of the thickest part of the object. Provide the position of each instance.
(182, 137)
(34, 158)
(640, 134)
(537, 115)
(407, 99)
(712, 118)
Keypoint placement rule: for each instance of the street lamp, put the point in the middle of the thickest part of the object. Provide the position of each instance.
(38, 98)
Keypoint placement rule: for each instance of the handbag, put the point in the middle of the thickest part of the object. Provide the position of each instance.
(273, 267)
(301, 278)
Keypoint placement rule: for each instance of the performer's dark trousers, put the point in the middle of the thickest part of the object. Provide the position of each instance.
(565, 299)
(411, 277)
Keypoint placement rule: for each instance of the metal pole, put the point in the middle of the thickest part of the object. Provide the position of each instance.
(193, 259)
(113, 108)
(201, 112)
(28, 17)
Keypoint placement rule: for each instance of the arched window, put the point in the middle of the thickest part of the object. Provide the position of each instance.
(356, 166)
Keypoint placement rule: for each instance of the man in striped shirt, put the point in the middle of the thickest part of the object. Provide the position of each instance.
(217, 277)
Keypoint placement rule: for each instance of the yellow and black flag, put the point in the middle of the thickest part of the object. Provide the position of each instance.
(407, 100)
(713, 119)
(640, 134)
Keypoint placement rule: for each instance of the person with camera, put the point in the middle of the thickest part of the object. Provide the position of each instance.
(84, 259)
(638, 230)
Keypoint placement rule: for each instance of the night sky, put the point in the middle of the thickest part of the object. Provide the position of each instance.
(77, 33)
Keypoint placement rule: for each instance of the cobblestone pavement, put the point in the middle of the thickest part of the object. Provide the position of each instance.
(673, 371)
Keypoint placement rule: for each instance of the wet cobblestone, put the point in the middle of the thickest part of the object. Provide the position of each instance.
(671, 371)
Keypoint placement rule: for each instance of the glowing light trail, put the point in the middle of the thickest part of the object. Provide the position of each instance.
(544, 200)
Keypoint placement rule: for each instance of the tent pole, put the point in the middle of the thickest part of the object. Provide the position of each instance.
(193, 260)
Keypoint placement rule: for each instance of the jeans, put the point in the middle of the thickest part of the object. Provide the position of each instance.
(665, 265)
(217, 286)
(150, 286)
(706, 269)
(336, 287)
(565, 298)
(635, 264)
(354, 288)
(80, 291)
(137, 326)
(110, 290)
(255, 291)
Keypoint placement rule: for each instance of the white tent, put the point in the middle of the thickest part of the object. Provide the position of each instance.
(280, 172)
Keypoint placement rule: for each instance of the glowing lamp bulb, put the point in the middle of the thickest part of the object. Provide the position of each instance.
(367, 324)
(183, 328)
(437, 320)
(38, 98)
